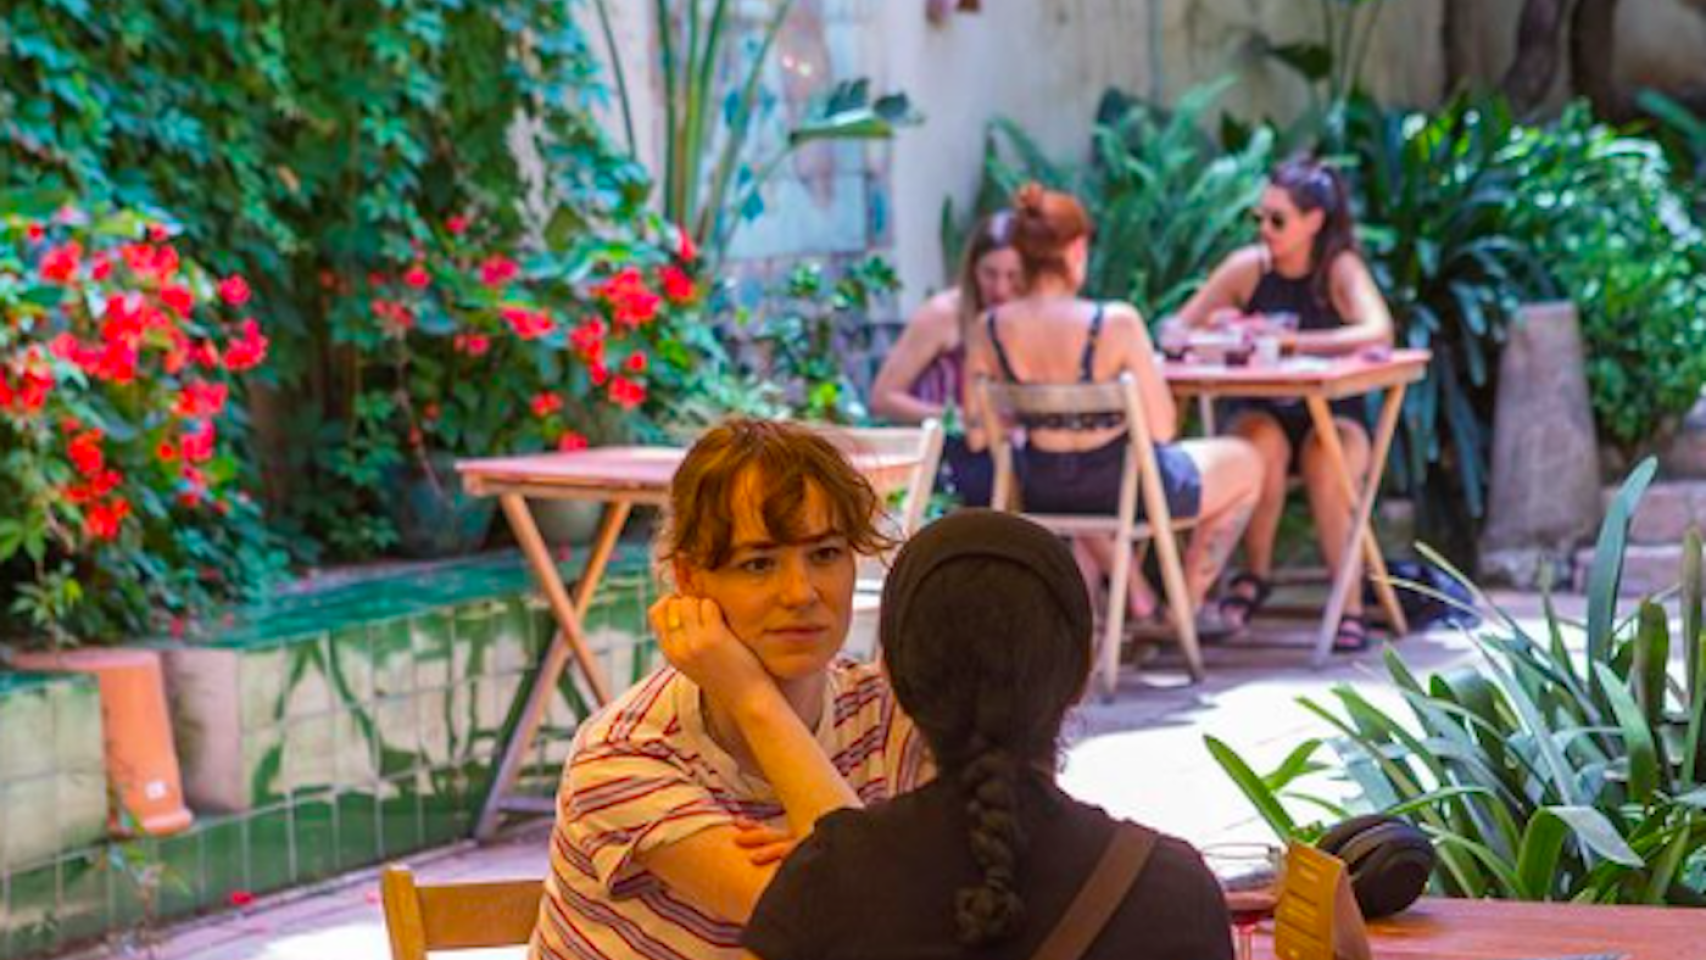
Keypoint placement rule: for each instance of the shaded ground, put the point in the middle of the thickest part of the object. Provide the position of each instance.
(1140, 756)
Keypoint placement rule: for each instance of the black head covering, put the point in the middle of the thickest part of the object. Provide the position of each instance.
(1004, 546)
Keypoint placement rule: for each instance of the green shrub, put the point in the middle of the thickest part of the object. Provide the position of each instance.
(1544, 772)
(1168, 203)
(1621, 241)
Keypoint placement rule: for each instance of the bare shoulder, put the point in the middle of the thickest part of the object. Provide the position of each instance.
(1245, 262)
(1349, 266)
(1122, 316)
(938, 318)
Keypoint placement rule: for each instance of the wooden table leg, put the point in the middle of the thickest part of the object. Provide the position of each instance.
(1346, 577)
(568, 639)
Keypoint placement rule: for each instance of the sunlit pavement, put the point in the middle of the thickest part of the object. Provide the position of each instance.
(1140, 756)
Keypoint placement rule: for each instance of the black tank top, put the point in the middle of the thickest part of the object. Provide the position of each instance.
(1086, 374)
(1277, 294)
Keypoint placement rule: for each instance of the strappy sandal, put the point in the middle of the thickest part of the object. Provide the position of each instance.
(1352, 635)
(1245, 596)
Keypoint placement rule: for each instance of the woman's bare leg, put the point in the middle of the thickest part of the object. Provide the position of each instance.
(1263, 433)
(1095, 556)
(1328, 503)
(1232, 477)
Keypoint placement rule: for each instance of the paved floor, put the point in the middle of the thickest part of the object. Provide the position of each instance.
(1140, 756)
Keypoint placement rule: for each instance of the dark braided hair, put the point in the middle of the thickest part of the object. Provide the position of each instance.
(1313, 185)
(986, 636)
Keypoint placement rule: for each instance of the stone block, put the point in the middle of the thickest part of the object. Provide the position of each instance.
(1666, 512)
(1647, 569)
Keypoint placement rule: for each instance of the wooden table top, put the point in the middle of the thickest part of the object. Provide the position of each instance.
(1330, 378)
(639, 474)
(1445, 929)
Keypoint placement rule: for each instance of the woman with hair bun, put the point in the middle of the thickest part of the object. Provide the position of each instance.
(986, 632)
(1074, 464)
(1307, 267)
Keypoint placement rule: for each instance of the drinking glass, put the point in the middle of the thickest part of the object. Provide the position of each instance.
(1250, 876)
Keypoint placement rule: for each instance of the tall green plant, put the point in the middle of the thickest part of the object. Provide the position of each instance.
(1168, 203)
(1547, 772)
(1436, 196)
(713, 70)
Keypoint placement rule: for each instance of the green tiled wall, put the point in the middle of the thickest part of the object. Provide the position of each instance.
(331, 732)
(53, 787)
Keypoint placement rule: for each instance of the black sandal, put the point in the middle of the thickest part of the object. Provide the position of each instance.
(1352, 635)
(1241, 608)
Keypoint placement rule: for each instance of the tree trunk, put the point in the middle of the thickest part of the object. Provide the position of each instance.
(1535, 65)
(1455, 24)
(1593, 60)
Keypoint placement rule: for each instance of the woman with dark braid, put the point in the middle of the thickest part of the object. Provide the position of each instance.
(986, 637)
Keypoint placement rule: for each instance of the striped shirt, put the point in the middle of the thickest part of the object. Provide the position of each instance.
(644, 773)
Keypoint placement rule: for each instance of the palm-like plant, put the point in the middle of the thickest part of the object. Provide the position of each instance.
(714, 98)
(1544, 773)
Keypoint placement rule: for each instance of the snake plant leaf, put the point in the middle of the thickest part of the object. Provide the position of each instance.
(1637, 736)
(1607, 570)
(1255, 789)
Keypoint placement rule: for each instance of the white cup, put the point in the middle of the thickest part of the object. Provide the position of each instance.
(1267, 351)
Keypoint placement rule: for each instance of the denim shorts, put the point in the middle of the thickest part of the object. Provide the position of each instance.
(1088, 481)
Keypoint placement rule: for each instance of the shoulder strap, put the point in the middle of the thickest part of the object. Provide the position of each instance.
(1087, 365)
(1101, 895)
(1000, 351)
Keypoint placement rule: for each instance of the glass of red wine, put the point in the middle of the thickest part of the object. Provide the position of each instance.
(1250, 876)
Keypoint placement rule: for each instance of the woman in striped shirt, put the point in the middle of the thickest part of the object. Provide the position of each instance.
(755, 730)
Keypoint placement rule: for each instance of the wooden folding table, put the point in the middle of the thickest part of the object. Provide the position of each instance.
(1317, 382)
(620, 478)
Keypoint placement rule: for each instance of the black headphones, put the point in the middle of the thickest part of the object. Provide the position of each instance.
(1388, 859)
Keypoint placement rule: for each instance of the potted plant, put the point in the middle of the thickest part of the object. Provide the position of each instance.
(121, 377)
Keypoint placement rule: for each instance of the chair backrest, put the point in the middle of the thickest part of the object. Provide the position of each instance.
(456, 916)
(1003, 402)
(923, 442)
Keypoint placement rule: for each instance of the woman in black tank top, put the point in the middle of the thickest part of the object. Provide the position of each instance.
(1307, 265)
(1074, 464)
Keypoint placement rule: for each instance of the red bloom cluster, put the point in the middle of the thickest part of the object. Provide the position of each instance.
(472, 344)
(678, 287)
(234, 290)
(631, 303)
(527, 324)
(498, 270)
(396, 318)
(545, 404)
(248, 350)
(27, 394)
(103, 512)
(627, 393)
(60, 264)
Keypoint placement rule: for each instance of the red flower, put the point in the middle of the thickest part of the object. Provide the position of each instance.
(684, 245)
(85, 453)
(35, 232)
(417, 278)
(545, 404)
(234, 290)
(473, 344)
(103, 520)
(158, 233)
(395, 317)
(180, 300)
(598, 372)
(28, 394)
(678, 287)
(627, 393)
(100, 268)
(588, 338)
(527, 324)
(248, 350)
(571, 441)
(201, 400)
(197, 444)
(59, 265)
(166, 451)
(636, 363)
(631, 303)
(240, 898)
(457, 225)
(498, 270)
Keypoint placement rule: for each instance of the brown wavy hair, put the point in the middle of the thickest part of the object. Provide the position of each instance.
(988, 235)
(1313, 185)
(1045, 223)
(775, 462)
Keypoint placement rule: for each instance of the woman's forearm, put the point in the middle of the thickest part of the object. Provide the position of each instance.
(791, 759)
(903, 407)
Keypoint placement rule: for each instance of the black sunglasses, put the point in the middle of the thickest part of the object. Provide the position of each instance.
(1273, 218)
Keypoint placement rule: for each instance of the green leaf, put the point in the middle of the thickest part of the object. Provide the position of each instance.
(1253, 787)
(1637, 737)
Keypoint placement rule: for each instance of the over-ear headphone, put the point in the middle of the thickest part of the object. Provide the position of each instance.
(1388, 859)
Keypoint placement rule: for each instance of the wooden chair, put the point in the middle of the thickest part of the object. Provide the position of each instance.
(1002, 403)
(925, 443)
(456, 916)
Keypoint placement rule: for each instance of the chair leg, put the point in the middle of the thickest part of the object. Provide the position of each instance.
(1179, 601)
(1119, 585)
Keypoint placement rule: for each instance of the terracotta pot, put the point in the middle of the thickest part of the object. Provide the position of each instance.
(136, 731)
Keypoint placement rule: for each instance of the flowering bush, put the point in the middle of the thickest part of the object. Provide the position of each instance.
(465, 351)
(119, 365)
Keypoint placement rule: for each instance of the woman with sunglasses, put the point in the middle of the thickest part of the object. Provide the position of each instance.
(1306, 270)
